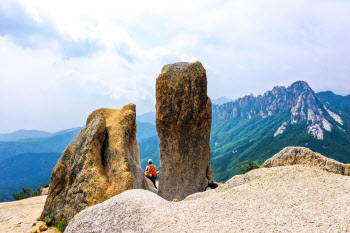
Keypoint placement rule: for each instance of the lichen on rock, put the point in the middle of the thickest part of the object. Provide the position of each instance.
(183, 120)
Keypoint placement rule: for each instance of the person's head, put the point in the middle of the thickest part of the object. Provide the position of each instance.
(150, 161)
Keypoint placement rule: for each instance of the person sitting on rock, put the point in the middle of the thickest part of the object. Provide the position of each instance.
(151, 172)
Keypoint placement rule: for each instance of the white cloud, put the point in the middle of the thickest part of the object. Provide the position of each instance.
(109, 53)
(37, 84)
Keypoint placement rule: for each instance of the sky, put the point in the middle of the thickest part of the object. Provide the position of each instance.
(60, 60)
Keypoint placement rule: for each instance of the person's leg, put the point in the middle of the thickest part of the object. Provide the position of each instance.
(154, 182)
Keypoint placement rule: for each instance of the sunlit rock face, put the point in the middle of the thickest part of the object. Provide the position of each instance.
(100, 163)
(183, 121)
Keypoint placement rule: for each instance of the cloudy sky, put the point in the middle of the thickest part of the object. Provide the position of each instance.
(60, 60)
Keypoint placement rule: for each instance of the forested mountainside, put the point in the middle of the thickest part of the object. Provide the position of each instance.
(29, 170)
(254, 128)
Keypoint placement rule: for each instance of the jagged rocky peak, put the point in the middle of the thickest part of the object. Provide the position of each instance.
(305, 103)
(299, 100)
(273, 101)
(309, 107)
(300, 85)
(275, 91)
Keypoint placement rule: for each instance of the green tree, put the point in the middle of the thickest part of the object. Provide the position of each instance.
(26, 193)
(246, 167)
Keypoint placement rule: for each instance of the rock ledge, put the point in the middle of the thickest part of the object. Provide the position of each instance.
(305, 156)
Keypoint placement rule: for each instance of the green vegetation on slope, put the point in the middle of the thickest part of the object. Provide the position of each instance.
(62, 225)
(245, 167)
(27, 193)
(254, 140)
(232, 142)
(338, 104)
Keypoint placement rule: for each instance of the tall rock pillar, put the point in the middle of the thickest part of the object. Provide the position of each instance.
(183, 122)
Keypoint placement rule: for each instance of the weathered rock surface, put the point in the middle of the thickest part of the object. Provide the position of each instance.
(100, 163)
(305, 156)
(183, 121)
(45, 191)
(18, 216)
(279, 199)
(42, 226)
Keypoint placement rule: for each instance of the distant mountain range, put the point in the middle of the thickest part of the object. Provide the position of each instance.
(249, 128)
(28, 162)
(145, 130)
(28, 135)
(149, 117)
(29, 170)
(221, 100)
(24, 134)
(56, 143)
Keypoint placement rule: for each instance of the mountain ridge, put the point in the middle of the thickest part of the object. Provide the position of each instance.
(56, 143)
(298, 98)
(252, 128)
(24, 134)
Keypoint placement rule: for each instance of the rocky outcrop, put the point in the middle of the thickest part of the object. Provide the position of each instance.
(100, 163)
(304, 156)
(45, 191)
(278, 199)
(19, 216)
(183, 120)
